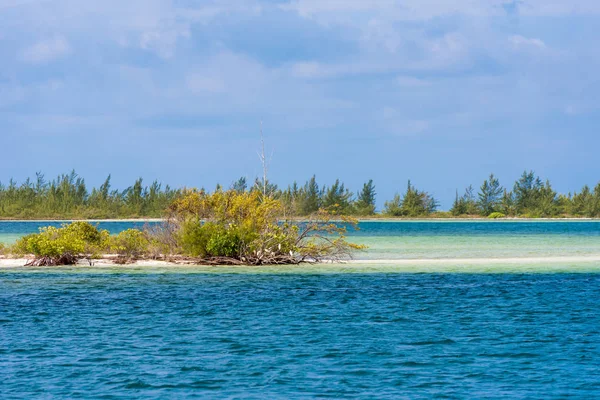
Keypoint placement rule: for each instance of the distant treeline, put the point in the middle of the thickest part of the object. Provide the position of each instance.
(68, 197)
(530, 197)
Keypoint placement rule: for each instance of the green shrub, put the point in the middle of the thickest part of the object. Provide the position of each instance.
(246, 228)
(441, 214)
(65, 245)
(222, 242)
(496, 215)
(193, 239)
(210, 239)
(130, 244)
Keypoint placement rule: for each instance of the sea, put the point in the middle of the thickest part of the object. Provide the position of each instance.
(432, 309)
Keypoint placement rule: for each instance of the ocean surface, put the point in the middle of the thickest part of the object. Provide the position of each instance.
(431, 310)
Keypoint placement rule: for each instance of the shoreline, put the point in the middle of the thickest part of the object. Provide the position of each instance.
(11, 263)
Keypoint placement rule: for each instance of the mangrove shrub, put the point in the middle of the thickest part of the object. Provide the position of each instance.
(130, 245)
(236, 227)
(64, 245)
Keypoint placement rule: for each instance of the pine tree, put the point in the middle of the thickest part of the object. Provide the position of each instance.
(365, 199)
(337, 198)
(311, 197)
(240, 185)
(489, 195)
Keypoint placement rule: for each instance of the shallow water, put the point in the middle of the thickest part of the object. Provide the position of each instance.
(160, 334)
(409, 240)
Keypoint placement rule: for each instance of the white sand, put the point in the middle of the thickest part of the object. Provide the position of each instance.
(20, 262)
(472, 261)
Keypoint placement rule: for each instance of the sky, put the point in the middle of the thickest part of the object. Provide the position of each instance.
(441, 92)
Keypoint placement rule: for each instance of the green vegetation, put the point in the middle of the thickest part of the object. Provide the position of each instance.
(530, 197)
(414, 203)
(68, 197)
(466, 204)
(129, 245)
(490, 195)
(220, 228)
(365, 199)
(246, 228)
(63, 246)
(496, 215)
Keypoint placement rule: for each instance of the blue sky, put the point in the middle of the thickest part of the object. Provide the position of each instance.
(441, 92)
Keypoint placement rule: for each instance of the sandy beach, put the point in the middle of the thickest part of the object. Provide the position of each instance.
(400, 264)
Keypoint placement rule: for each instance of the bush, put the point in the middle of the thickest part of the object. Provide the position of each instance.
(245, 228)
(65, 245)
(222, 242)
(130, 245)
(210, 239)
(193, 239)
(441, 214)
(496, 215)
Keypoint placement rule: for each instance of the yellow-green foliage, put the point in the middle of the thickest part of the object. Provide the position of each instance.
(227, 224)
(496, 215)
(3, 249)
(246, 226)
(130, 244)
(76, 239)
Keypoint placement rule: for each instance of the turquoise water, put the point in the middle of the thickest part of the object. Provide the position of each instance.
(11, 231)
(445, 240)
(432, 309)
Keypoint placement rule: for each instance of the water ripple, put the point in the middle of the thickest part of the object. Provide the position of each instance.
(210, 335)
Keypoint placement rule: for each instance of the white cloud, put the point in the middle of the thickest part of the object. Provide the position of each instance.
(153, 25)
(397, 123)
(395, 9)
(163, 41)
(333, 11)
(446, 53)
(519, 41)
(46, 50)
(383, 34)
(239, 78)
(559, 7)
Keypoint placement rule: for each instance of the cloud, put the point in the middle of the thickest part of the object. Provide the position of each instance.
(393, 9)
(153, 25)
(519, 41)
(335, 11)
(163, 41)
(46, 50)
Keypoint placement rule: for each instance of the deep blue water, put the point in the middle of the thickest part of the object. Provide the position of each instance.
(136, 334)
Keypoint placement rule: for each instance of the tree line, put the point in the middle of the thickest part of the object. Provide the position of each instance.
(530, 196)
(68, 197)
